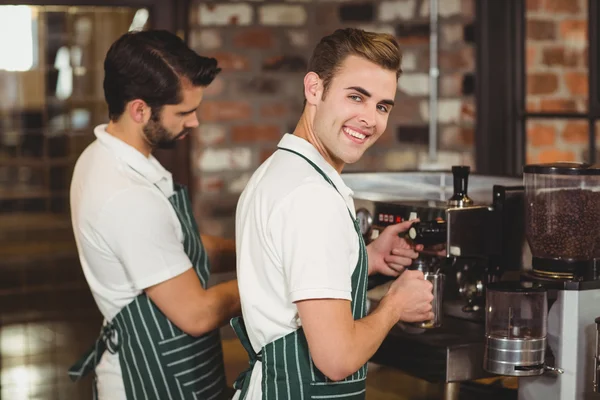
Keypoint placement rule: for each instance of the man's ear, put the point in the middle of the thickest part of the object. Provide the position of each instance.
(138, 111)
(313, 88)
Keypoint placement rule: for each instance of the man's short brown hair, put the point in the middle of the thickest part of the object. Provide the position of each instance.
(329, 54)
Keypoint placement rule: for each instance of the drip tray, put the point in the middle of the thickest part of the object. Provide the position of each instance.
(452, 353)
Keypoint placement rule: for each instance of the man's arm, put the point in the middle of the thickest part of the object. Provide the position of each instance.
(192, 308)
(340, 345)
(221, 253)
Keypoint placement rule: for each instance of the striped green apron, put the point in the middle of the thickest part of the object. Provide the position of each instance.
(158, 360)
(287, 367)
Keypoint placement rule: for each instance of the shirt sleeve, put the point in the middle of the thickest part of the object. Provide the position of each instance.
(141, 230)
(317, 238)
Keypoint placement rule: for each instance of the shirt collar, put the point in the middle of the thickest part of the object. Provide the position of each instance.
(148, 167)
(301, 146)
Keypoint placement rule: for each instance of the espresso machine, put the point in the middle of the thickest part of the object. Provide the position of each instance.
(543, 327)
(472, 228)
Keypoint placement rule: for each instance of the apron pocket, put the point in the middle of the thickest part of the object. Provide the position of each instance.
(346, 390)
(196, 363)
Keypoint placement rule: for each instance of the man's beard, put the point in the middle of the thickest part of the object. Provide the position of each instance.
(158, 137)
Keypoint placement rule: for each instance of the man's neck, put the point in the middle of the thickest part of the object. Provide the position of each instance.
(305, 130)
(130, 136)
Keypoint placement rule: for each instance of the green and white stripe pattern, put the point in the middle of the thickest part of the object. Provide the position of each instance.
(158, 360)
(287, 367)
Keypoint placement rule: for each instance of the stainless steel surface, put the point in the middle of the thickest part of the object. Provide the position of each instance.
(514, 357)
(437, 280)
(471, 232)
(421, 186)
(451, 353)
(452, 391)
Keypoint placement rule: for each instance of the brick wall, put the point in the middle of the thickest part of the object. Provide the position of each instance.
(263, 47)
(557, 79)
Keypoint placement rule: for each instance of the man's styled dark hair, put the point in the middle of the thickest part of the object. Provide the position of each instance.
(152, 66)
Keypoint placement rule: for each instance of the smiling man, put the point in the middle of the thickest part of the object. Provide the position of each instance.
(138, 242)
(302, 263)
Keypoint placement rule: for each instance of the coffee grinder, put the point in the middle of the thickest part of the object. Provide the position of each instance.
(562, 218)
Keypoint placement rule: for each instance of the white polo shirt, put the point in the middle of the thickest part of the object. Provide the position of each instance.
(127, 232)
(295, 241)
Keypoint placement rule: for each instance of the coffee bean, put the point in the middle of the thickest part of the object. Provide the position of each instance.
(564, 224)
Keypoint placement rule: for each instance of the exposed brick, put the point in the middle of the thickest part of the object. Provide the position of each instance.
(446, 8)
(412, 34)
(255, 38)
(378, 28)
(574, 31)
(255, 133)
(468, 111)
(407, 111)
(533, 105)
(283, 87)
(225, 14)
(557, 56)
(414, 84)
(285, 63)
(398, 160)
(462, 59)
(449, 110)
(533, 5)
(577, 82)
(210, 134)
(297, 38)
(211, 184)
(274, 110)
(212, 111)
(576, 132)
(231, 61)
(541, 29)
(454, 136)
(468, 84)
(542, 83)
(451, 85)
(557, 105)
(357, 12)
(409, 61)
(398, 9)
(541, 135)
(562, 6)
(265, 153)
(238, 184)
(205, 39)
(413, 134)
(282, 15)
(328, 15)
(451, 34)
(555, 155)
(237, 159)
(468, 9)
(532, 55)
(216, 87)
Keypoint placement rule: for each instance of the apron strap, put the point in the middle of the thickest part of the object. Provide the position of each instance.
(324, 175)
(107, 340)
(243, 381)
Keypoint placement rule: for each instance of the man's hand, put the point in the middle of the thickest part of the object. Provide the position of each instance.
(411, 296)
(389, 254)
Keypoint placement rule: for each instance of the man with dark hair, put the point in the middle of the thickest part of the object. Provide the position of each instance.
(137, 238)
(302, 262)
